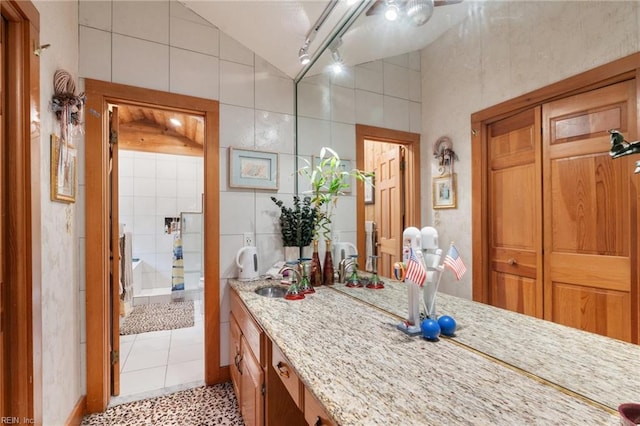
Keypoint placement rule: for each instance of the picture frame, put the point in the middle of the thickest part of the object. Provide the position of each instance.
(369, 190)
(253, 169)
(345, 165)
(444, 191)
(64, 175)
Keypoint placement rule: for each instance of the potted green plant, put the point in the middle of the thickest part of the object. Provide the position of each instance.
(328, 180)
(297, 223)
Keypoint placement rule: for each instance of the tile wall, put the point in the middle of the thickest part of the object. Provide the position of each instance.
(163, 45)
(151, 187)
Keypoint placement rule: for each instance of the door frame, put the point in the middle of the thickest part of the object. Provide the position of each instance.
(411, 143)
(623, 69)
(22, 266)
(99, 95)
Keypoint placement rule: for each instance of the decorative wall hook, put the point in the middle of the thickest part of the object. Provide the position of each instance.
(444, 153)
(37, 50)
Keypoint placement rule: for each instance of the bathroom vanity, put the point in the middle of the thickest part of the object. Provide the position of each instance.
(337, 358)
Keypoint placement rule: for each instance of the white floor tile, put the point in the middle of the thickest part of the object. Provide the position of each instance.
(125, 348)
(187, 336)
(128, 338)
(151, 344)
(142, 380)
(146, 359)
(153, 334)
(184, 353)
(184, 372)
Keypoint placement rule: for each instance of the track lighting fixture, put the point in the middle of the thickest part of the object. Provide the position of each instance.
(337, 65)
(303, 54)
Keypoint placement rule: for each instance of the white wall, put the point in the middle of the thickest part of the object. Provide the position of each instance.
(61, 302)
(151, 187)
(382, 93)
(164, 46)
(509, 49)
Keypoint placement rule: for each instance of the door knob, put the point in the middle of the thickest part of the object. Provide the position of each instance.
(512, 261)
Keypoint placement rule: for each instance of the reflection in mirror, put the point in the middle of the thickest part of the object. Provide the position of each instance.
(473, 56)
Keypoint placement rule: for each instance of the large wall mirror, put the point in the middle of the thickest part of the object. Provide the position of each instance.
(427, 81)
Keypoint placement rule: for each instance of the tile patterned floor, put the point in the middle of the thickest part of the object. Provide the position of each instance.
(161, 362)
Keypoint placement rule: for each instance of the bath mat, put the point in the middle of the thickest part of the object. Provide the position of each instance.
(158, 316)
(206, 405)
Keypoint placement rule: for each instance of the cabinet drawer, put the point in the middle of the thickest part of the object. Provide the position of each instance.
(250, 329)
(286, 374)
(314, 413)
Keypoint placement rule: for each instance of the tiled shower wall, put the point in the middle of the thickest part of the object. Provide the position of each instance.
(151, 187)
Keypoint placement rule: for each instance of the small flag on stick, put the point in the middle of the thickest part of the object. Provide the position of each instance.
(415, 269)
(454, 262)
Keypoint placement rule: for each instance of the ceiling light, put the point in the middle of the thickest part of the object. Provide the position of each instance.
(303, 55)
(392, 11)
(419, 11)
(175, 122)
(337, 65)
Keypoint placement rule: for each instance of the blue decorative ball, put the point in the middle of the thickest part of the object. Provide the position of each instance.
(430, 329)
(447, 325)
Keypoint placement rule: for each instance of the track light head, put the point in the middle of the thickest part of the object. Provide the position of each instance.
(303, 55)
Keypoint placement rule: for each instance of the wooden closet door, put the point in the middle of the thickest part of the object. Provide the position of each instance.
(515, 217)
(588, 213)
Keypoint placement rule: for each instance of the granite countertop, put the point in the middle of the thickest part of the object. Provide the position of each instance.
(599, 368)
(366, 372)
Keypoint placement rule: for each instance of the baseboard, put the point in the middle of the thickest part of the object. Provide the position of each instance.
(225, 374)
(75, 417)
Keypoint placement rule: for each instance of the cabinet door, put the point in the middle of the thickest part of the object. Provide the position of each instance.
(515, 213)
(252, 379)
(235, 354)
(590, 212)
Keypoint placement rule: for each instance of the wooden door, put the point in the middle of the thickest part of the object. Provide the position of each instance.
(515, 213)
(2, 219)
(388, 209)
(252, 377)
(588, 213)
(115, 253)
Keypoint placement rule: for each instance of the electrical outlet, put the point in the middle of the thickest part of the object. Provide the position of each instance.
(248, 239)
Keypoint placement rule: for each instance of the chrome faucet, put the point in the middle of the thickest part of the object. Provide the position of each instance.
(342, 268)
(292, 269)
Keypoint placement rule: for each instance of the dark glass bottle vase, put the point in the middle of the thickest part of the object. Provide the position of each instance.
(327, 275)
(315, 279)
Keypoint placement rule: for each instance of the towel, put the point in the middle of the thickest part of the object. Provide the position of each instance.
(369, 229)
(126, 267)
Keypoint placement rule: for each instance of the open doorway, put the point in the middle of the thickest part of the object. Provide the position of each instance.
(103, 355)
(394, 156)
(160, 186)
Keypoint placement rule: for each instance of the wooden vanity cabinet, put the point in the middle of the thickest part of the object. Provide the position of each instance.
(247, 371)
(268, 389)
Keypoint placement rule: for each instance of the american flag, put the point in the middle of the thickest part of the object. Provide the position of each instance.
(415, 269)
(454, 262)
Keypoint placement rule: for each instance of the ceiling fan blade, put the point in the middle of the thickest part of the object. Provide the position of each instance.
(378, 5)
(437, 3)
(375, 8)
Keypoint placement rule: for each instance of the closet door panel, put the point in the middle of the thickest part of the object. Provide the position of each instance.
(515, 213)
(587, 214)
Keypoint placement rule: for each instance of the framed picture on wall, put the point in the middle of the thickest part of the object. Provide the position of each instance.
(444, 192)
(63, 171)
(253, 169)
(369, 192)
